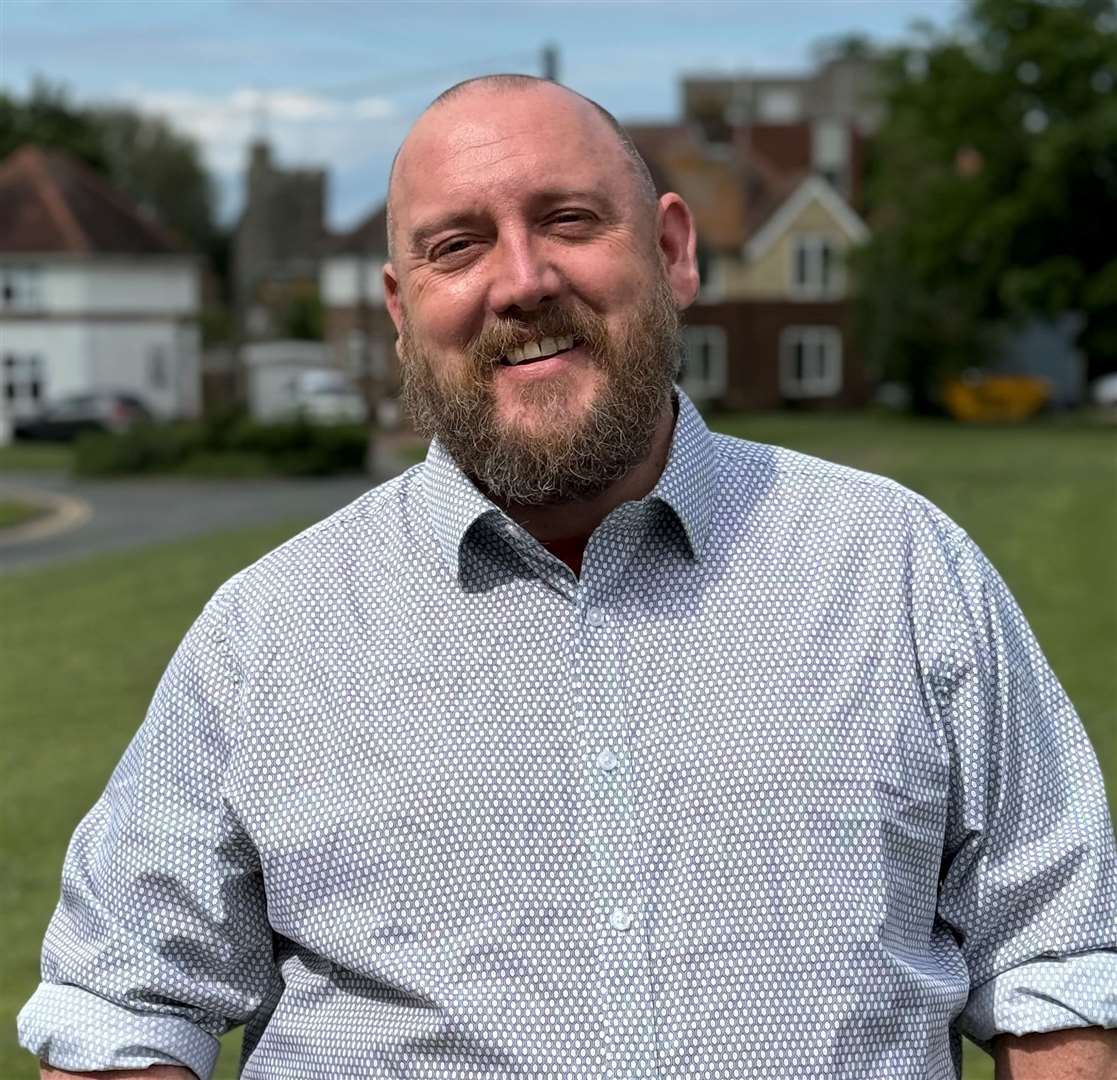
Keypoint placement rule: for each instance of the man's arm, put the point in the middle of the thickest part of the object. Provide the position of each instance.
(1029, 879)
(160, 942)
(1074, 1054)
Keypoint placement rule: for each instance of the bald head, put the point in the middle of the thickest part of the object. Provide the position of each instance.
(552, 95)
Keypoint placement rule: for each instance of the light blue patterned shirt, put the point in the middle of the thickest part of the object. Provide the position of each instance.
(781, 787)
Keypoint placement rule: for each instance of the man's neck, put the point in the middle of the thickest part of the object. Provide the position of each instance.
(576, 521)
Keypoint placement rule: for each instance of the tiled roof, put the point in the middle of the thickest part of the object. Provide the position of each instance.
(369, 237)
(731, 189)
(51, 203)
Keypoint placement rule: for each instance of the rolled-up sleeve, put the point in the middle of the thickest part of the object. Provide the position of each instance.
(1029, 882)
(160, 942)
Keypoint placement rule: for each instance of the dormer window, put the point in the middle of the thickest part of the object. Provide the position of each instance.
(20, 288)
(816, 268)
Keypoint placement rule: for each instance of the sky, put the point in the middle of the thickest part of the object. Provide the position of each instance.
(337, 83)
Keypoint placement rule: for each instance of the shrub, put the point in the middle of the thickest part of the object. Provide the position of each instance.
(226, 444)
(146, 448)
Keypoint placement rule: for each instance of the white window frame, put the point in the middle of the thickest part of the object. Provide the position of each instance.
(825, 380)
(23, 383)
(711, 290)
(822, 280)
(710, 384)
(378, 358)
(21, 288)
(356, 353)
(158, 368)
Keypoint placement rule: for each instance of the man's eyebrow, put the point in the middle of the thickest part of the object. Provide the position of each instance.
(422, 234)
(599, 199)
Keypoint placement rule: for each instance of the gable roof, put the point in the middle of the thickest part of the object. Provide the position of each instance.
(812, 189)
(740, 190)
(369, 237)
(51, 203)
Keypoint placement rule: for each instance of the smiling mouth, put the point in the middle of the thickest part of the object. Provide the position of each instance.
(543, 349)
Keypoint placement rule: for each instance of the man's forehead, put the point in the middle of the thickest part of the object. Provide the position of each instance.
(463, 140)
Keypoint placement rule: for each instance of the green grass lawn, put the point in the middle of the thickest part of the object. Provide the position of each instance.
(34, 456)
(83, 646)
(17, 512)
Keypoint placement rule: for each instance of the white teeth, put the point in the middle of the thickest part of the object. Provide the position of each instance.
(533, 350)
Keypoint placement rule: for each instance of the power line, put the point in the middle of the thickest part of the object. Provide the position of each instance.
(366, 86)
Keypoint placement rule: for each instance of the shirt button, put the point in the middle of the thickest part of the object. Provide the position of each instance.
(620, 919)
(608, 760)
(595, 616)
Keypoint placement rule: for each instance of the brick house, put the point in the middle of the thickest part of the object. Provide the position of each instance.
(357, 327)
(772, 326)
(772, 168)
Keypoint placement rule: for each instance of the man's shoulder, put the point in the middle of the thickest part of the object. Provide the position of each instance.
(811, 492)
(360, 541)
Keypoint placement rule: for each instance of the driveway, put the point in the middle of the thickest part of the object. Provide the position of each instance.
(135, 512)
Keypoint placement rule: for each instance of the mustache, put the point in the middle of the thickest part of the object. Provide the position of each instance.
(587, 327)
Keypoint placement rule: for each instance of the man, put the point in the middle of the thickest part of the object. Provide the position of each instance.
(598, 745)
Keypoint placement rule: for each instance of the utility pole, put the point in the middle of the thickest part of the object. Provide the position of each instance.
(551, 62)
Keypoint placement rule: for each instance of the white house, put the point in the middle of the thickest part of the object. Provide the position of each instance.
(358, 329)
(299, 378)
(93, 295)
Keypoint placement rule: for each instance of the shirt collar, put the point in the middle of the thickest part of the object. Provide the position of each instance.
(687, 486)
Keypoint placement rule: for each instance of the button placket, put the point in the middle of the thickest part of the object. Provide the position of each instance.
(625, 987)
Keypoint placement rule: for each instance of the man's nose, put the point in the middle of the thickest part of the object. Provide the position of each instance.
(524, 277)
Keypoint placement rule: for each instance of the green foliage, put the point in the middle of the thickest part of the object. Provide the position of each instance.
(161, 171)
(229, 444)
(35, 457)
(989, 184)
(49, 119)
(17, 512)
(305, 317)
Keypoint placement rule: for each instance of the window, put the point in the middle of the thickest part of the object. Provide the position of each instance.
(366, 356)
(157, 374)
(810, 361)
(704, 369)
(830, 151)
(779, 105)
(816, 269)
(378, 359)
(24, 383)
(20, 288)
(711, 279)
(356, 348)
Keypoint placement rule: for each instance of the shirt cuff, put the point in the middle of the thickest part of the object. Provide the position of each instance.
(1050, 994)
(74, 1029)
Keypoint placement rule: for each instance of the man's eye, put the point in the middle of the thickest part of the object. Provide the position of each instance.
(451, 247)
(568, 217)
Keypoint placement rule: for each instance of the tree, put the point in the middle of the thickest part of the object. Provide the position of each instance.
(48, 118)
(161, 171)
(991, 184)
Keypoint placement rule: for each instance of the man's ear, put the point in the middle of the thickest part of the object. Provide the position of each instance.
(678, 241)
(391, 295)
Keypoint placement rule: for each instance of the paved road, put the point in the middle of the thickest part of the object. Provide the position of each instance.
(135, 512)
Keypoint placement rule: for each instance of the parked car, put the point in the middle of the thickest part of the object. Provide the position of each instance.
(1103, 391)
(67, 417)
(328, 397)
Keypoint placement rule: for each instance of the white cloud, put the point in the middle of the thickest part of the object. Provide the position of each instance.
(304, 129)
(372, 108)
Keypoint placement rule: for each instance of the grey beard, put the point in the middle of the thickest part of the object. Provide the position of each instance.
(578, 460)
